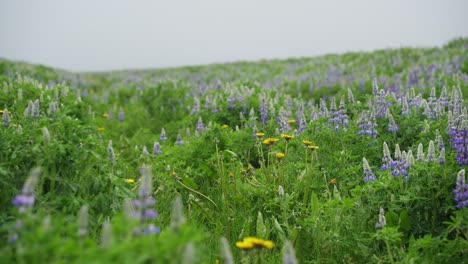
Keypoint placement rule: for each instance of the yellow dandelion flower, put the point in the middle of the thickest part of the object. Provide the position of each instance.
(270, 141)
(106, 115)
(333, 181)
(2, 111)
(313, 147)
(129, 180)
(224, 126)
(280, 155)
(100, 129)
(259, 135)
(292, 121)
(287, 137)
(307, 142)
(268, 244)
(244, 245)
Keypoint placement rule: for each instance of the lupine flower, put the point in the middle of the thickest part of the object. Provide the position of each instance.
(144, 203)
(45, 135)
(392, 126)
(26, 199)
(263, 111)
(461, 190)
(189, 253)
(280, 191)
(179, 140)
(459, 139)
(157, 148)
(35, 111)
(200, 125)
(350, 96)
(162, 137)
(431, 152)
(368, 174)
(382, 220)
(145, 151)
(226, 251)
(106, 234)
(110, 151)
(441, 158)
(387, 159)
(177, 215)
(420, 155)
(121, 115)
(5, 118)
(83, 221)
(289, 254)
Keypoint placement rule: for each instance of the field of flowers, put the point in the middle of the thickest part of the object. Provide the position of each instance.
(352, 158)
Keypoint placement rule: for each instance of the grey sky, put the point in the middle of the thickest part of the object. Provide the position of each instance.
(88, 35)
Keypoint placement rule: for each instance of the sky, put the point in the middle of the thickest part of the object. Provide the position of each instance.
(101, 35)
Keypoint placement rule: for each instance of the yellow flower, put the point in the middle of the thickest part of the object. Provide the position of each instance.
(292, 121)
(287, 137)
(252, 242)
(259, 135)
(224, 126)
(280, 155)
(106, 115)
(313, 147)
(100, 129)
(268, 244)
(244, 245)
(2, 111)
(129, 180)
(307, 142)
(333, 181)
(270, 141)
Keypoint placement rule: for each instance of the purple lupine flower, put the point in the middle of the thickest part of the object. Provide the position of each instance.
(214, 106)
(121, 115)
(380, 104)
(179, 140)
(367, 125)
(459, 139)
(231, 100)
(461, 190)
(392, 126)
(196, 106)
(145, 151)
(387, 159)
(157, 148)
(368, 174)
(382, 220)
(163, 136)
(200, 126)
(25, 200)
(420, 156)
(143, 205)
(443, 100)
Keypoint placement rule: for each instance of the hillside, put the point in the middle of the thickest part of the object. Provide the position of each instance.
(351, 158)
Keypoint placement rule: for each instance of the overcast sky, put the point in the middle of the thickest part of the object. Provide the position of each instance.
(90, 35)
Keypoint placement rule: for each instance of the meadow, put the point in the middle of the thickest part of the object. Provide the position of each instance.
(351, 158)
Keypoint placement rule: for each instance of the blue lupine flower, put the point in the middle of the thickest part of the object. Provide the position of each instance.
(157, 148)
(461, 190)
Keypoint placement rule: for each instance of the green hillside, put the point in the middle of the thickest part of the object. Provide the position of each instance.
(350, 158)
